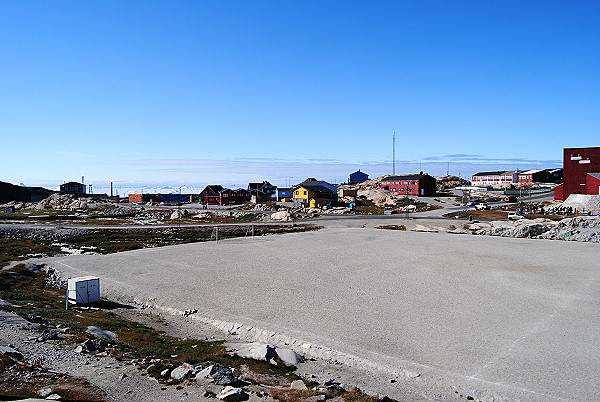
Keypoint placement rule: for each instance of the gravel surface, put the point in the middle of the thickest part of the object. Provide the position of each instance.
(414, 315)
(120, 381)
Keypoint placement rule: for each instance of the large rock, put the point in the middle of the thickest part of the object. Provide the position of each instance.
(256, 351)
(581, 228)
(101, 333)
(230, 394)
(181, 373)
(179, 213)
(61, 201)
(282, 216)
(288, 356)
(298, 385)
(8, 351)
(218, 374)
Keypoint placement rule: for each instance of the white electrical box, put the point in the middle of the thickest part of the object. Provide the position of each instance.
(83, 290)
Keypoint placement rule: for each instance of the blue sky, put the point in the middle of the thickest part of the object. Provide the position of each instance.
(197, 92)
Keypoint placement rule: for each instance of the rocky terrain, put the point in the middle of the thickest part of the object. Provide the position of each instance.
(40, 358)
(580, 228)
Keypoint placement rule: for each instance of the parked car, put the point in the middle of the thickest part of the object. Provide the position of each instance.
(472, 203)
(510, 198)
(482, 206)
(514, 216)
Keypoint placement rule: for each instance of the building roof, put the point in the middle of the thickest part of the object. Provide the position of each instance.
(406, 177)
(213, 188)
(497, 173)
(317, 187)
(532, 171)
(257, 186)
(311, 181)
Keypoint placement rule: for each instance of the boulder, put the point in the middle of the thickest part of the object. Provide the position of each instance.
(256, 351)
(230, 394)
(181, 373)
(101, 333)
(218, 374)
(179, 213)
(298, 385)
(282, 216)
(288, 356)
(11, 352)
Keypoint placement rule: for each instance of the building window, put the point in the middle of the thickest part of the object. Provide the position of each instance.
(305, 193)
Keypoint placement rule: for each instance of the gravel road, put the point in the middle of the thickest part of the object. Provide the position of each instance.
(438, 313)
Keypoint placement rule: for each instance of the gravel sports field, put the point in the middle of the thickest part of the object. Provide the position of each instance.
(441, 313)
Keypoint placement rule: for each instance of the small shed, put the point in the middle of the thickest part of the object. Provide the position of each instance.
(83, 290)
(348, 192)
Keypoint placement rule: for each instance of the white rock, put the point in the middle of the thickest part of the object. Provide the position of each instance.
(288, 356)
(230, 393)
(281, 216)
(421, 228)
(298, 385)
(179, 213)
(101, 333)
(256, 351)
(181, 373)
(44, 392)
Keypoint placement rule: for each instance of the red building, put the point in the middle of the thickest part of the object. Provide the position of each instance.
(411, 184)
(226, 197)
(210, 195)
(143, 198)
(495, 178)
(242, 196)
(217, 195)
(581, 170)
(541, 176)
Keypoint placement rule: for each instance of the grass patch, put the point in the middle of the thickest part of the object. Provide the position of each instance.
(478, 215)
(22, 249)
(115, 240)
(391, 227)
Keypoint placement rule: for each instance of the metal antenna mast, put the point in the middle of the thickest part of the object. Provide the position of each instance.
(394, 154)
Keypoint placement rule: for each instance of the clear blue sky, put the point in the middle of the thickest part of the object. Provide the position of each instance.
(196, 92)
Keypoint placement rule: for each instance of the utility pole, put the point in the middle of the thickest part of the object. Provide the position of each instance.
(394, 154)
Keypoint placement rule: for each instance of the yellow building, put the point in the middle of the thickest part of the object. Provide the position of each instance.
(313, 196)
(303, 193)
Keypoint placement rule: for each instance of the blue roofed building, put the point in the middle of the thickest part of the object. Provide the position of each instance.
(358, 177)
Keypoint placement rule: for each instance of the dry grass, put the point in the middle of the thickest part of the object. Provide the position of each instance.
(391, 227)
(292, 395)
